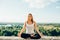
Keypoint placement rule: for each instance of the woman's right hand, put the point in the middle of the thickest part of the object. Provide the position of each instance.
(19, 35)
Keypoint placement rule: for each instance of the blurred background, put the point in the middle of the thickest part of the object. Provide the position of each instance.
(12, 29)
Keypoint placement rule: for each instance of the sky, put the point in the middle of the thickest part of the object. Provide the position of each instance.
(43, 11)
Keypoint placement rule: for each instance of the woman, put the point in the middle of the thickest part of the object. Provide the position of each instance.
(30, 25)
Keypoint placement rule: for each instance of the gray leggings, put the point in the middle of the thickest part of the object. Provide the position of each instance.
(25, 35)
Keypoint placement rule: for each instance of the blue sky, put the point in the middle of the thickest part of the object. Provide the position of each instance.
(44, 11)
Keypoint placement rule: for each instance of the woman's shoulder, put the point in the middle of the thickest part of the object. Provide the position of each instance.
(25, 22)
(34, 22)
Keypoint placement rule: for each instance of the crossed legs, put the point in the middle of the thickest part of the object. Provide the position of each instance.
(25, 35)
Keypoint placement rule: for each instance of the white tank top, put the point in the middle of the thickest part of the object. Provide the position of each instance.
(29, 28)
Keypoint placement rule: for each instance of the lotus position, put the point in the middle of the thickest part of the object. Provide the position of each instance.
(30, 25)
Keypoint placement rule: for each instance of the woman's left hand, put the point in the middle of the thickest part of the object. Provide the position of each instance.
(41, 35)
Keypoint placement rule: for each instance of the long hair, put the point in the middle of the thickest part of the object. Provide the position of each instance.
(32, 17)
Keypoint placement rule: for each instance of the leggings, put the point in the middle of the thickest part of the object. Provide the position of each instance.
(25, 35)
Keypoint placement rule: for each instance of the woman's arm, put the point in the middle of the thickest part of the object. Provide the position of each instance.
(37, 29)
(22, 30)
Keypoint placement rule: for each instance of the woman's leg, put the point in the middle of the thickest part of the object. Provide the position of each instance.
(36, 36)
(24, 35)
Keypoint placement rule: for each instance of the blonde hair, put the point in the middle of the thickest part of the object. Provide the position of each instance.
(32, 17)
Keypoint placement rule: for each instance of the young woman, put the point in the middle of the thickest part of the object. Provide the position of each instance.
(30, 25)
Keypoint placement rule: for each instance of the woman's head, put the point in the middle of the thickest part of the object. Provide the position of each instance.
(30, 17)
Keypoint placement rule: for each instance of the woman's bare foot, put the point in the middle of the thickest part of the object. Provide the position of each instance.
(32, 35)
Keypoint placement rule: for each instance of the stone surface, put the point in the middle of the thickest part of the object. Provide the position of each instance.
(18, 38)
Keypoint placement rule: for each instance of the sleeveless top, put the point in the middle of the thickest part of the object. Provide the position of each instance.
(29, 28)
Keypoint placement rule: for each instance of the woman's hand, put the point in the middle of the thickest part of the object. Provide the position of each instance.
(41, 34)
(19, 35)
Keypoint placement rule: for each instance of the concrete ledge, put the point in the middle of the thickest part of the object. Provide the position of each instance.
(18, 38)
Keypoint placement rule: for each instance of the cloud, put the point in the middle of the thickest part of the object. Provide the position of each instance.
(39, 3)
(57, 6)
